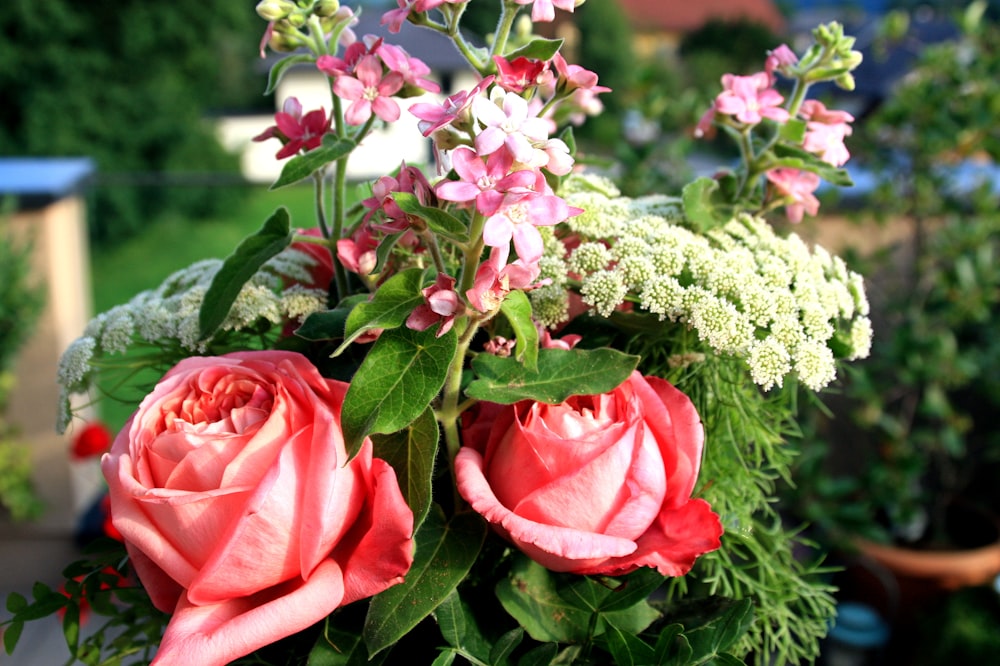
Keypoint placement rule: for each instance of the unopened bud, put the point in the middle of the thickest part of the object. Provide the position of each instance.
(274, 10)
(326, 8)
(297, 19)
(853, 59)
(845, 82)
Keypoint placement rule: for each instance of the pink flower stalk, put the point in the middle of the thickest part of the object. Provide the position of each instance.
(781, 60)
(750, 99)
(797, 187)
(508, 124)
(521, 73)
(435, 116)
(517, 219)
(825, 132)
(369, 92)
(413, 69)
(543, 11)
(295, 130)
(441, 304)
(495, 278)
(487, 182)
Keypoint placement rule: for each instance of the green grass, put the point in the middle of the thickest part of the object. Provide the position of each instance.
(119, 272)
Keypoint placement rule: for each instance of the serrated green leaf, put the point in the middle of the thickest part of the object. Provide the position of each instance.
(539, 49)
(396, 382)
(440, 222)
(279, 69)
(305, 165)
(700, 204)
(389, 308)
(239, 267)
(561, 373)
(11, 634)
(445, 551)
(530, 596)
(411, 452)
(517, 309)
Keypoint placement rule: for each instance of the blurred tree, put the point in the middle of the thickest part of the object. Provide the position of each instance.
(128, 83)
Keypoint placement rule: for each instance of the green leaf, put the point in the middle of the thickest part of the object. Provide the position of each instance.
(411, 452)
(793, 131)
(561, 373)
(11, 634)
(16, 603)
(458, 627)
(239, 267)
(279, 68)
(796, 158)
(329, 324)
(71, 627)
(700, 201)
(543, 655)
(529, 594)
(440, 222)
(632, 589)
(446, 658)
(539, 49)
(722, 630)
(388, 308)
(672, 647)
(396, 382)
(628, 649)
(517, 309)
(506, 645)
(337, 647)
(303, 166)
(445, 551)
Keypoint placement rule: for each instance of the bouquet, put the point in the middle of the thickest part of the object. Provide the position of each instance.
(491, 411)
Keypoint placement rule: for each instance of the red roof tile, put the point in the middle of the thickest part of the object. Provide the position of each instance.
(688, 15)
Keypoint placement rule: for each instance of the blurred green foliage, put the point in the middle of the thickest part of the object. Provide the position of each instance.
(128, 83)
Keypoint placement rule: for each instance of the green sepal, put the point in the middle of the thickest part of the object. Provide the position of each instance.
(561, 373)
(239, 267)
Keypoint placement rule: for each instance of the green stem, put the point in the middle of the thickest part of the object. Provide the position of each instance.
(449, 412)
(472, 252)
(504, 26)
(319, 187)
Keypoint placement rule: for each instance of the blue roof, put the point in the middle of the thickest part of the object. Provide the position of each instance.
(44, 176)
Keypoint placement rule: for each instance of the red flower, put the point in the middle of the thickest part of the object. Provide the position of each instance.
(93, 440)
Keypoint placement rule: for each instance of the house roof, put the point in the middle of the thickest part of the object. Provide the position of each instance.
(688, 15)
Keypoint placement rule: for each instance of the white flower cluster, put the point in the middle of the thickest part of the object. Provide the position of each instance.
(168, 316)
(746, 291)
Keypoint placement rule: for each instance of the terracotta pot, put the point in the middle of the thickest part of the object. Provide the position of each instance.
(950, 570)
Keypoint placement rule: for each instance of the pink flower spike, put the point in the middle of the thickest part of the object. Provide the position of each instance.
(750, 99)
(797, 187)
(441, 304)
(369, 92)
(546, 341)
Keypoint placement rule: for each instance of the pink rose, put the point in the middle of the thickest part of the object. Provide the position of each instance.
(599, 484)
(240, 511)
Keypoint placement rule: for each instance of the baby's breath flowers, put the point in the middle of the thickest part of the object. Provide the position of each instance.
(745, 290)
(167, 318)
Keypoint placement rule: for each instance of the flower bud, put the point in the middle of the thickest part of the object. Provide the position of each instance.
(274, 10)
(326, 8)
(845, 81)
(297, 19)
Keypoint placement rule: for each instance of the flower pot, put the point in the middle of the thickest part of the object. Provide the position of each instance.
(946, 569)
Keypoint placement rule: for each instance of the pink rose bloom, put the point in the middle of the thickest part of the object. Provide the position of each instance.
(599, 484)
(240, 511)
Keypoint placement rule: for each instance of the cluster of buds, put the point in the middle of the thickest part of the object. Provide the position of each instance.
(294, 25)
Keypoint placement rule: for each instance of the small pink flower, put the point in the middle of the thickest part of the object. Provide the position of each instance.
(413, 69)
(797, 188)
(508, 124)
(441, 304)
(334, 66)
(435, 116)
(543, 11)
(369, 92)
(357, 253)
(517, 219)
(825, 132)
(521, 73)
(495, 278)
(485, 182)
(382, 207)
(781, 60)
(295, 130)
(546, 341)
(575, 77)
(750, 99)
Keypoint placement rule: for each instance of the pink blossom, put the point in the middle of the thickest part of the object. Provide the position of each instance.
(334, 66)
(357, 253)
(797, 188)
(499, 346)
(517, 219)
(543, 11)
(485, 182)
(521, 73)
(435, 116)
(575, 77)
(546, 341)
(295, 130)
(413, 69)
(411, 180)
(560, 159)
(780, 59)
(395, 18)
(825, 132)
(495, 278)
(369, 91)
(750, 99)
(441, 304)
(509, 125)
